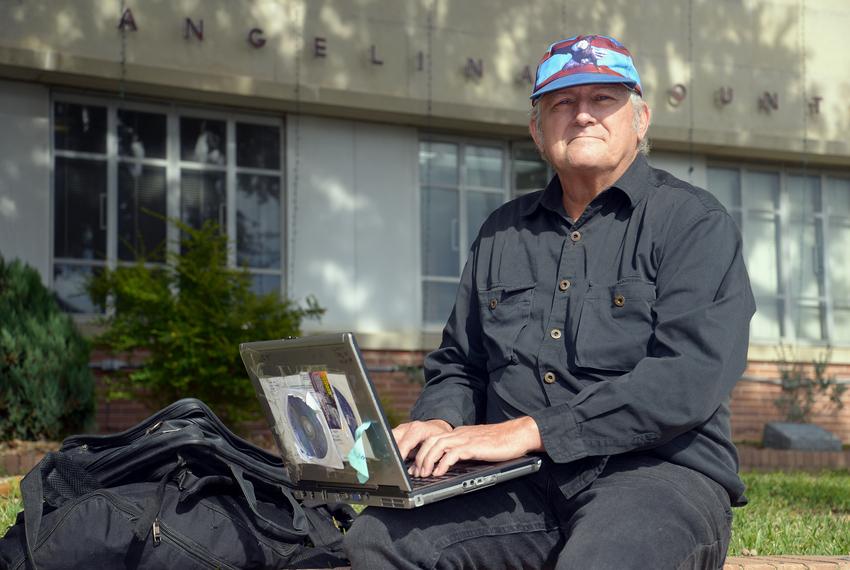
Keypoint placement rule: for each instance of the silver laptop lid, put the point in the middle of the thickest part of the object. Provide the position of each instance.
(323, 411)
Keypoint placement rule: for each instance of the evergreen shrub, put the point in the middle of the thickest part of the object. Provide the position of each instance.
(46, 387)
(186, 319)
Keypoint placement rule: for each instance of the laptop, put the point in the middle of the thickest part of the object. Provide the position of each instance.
(332, 432)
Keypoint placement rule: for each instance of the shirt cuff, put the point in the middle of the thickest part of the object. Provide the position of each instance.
(453, 420)
(559, 432)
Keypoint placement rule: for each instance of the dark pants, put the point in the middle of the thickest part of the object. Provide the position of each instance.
(640, 513)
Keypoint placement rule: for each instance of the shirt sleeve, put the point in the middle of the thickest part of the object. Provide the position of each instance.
(697, 353)
(456, 375)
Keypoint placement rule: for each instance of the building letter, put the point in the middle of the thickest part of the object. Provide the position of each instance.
(814, 105)
(320, 47)
(724, 96)
(769, 102)
(474, 68)
(525, 76)
(127, 21)
(677, 94)
(191, 28)
(255, 38)
(420, 61)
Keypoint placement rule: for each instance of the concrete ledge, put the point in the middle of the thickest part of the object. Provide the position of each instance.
(787, 563)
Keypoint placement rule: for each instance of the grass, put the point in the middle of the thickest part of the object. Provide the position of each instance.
(789, 513)
(794, 513)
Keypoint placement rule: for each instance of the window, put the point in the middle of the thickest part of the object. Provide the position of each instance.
(530, 171)
(461, 183)
(794, 226)
(119, 170)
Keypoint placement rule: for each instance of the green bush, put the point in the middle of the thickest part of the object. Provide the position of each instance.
(46, 387)
(187, 319)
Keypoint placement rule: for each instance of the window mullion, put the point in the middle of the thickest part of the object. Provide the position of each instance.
(783, 247)
(230, 193)
(823, 255)
(461, 212)
(112, 186)
(172, 206)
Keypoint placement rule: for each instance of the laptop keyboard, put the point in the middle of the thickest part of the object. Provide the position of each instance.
(458, 469)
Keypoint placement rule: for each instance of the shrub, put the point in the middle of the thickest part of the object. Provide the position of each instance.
(187, 319)
(802, 384)
(46, 387)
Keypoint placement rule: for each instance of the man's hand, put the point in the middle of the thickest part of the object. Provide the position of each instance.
(488, 442)
(409, 435)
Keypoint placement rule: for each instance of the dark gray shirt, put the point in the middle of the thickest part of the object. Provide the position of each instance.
(622, 332)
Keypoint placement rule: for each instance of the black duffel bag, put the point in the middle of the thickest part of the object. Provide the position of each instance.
(179, 490)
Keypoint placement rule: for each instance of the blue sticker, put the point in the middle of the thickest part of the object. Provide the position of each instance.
(357, 455)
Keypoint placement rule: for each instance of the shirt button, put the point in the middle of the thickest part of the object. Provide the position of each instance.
(575, 236)
(493, 303)
(549, 377)
(564, 284)
(555, 333)
(619, 300)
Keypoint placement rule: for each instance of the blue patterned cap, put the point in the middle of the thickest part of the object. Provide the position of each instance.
(584, 60)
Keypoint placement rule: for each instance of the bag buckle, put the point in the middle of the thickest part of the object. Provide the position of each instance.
(156, 532)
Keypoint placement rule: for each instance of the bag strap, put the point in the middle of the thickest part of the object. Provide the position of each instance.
(299, 518)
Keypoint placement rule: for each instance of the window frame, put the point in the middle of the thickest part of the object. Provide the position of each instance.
(173, 165)
(786, 221)
(462, 189)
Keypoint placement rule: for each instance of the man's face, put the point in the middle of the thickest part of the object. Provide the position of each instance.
(589, 128)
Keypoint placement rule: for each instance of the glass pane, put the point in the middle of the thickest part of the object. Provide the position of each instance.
(438, 163)
(69, 285)
(761, 191)
(838, 196)
(440, 232)
(841, 320)
(760, 246)
(80, 208)
(804, 265)
(439, 298)
(808, 322)
(258, 146)
(262, 284)
(258, 221)
(203, 140)
(725, 184)
(141, 135)
(478, 207)
(202, 198)
(79, 127)
(530, 170)
(767, 322)
(484, 166)
(839, 262)
(141, 212)
(804, 195)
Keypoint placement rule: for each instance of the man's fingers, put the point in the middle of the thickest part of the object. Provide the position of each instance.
(449, 458)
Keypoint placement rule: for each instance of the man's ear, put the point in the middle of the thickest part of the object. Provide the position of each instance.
(645, 119)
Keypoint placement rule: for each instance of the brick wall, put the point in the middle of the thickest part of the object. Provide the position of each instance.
(398, 382)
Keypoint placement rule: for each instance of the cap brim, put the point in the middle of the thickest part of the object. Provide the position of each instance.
(583, 79)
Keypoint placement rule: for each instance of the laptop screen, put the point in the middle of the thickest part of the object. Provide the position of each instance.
(323, 411)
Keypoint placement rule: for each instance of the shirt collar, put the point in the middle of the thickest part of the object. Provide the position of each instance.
(633, 183)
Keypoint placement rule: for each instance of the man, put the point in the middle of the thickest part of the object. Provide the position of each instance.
(601, 323)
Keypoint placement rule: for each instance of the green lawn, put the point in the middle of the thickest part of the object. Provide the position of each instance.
(789, 513)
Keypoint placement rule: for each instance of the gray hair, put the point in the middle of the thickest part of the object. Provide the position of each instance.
(637, 106)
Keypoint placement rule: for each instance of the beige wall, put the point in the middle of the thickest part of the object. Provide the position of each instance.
(25, 175)
(751, 46)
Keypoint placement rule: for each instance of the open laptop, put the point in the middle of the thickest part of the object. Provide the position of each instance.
(332, 432)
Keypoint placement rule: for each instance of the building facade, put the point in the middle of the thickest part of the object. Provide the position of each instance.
(351, 149)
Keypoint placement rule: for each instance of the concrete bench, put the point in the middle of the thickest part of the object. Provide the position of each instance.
(776, 563)
(788, 562)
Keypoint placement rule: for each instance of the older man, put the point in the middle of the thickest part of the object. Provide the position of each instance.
(601, 323)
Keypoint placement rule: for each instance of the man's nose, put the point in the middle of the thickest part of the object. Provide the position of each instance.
(584, 113)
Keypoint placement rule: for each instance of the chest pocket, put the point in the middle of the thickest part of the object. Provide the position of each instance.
(615, 326)
(504, 312)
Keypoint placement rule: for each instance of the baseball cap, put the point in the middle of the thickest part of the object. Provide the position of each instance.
(583, 60)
